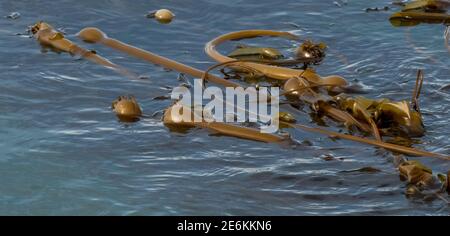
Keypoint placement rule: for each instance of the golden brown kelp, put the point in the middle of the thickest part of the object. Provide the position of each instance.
(127, 108)
(427, 6)
(421, 183)
(309, 50)
(163, 16)
(302, 90)
(171, 119)
(383, 114)
(271, 71)
(345, 117)
(49, 37)
(307, 53)
(342, 115)
(254, 134)
(417, 90)
(317, 101)
(389, 146)
(392, 117)
(265, 54)
(94, 35)
(423, 11)
(415, 18)
(415, 172)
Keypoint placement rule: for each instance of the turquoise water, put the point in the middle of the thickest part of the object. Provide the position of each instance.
(63, 152)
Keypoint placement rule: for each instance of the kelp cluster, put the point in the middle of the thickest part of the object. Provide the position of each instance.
(422, 11)
(367, 120)
(378, 117)
(319, 93)
(421, 183)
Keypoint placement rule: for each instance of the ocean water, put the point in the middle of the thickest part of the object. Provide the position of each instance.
(63, 152)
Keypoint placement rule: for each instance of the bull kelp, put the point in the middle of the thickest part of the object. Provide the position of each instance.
(325, 97)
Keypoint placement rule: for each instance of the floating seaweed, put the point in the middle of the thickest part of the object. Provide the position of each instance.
(163, 16)
(400, 118)
(176, 121)
(427, 6)
(346, 117)
(286, 117)
(416, 173)
(243, 52)
(320, 93)
(307, 53)
(94, 35)
(127, 108)
(422, 11)
(271, 71)
(415, 18)
(313, 51)
(50, 38)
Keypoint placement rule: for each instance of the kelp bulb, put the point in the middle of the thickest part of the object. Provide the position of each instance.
(163, 16)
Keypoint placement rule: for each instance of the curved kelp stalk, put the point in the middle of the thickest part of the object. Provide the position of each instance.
(171, 119)
(49, 37)
(271, 71)
(94, 35)
(255, 134)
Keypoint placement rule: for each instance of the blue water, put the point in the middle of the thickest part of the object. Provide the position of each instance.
(63, 152)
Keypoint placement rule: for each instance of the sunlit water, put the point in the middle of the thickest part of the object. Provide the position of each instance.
(63, 152)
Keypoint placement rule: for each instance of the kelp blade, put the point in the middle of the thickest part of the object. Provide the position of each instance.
(415, 18)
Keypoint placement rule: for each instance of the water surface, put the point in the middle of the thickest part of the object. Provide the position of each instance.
(63, 152)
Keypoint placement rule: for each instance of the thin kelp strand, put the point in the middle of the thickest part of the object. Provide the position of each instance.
(275, 72)
(389, 146)
(417, 90)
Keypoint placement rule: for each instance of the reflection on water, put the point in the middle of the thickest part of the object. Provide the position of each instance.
(62, 151)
